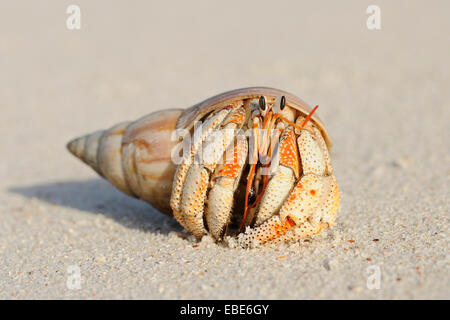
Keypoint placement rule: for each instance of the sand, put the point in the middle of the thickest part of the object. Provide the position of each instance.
(384, 96)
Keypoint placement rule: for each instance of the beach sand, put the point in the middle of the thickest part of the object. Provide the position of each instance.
(383, 94)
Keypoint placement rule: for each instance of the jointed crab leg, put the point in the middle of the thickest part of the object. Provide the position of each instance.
(317, 187)
(211, 123)
(262, 146)
(265, 171)
(253, 161)
(283, 180)
(316, 197)
(197, 180)
(311, 205)
(225, 181)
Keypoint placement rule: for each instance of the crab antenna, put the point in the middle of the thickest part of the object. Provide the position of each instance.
(309, 117)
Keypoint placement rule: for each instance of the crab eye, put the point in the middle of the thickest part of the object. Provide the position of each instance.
(279, 104)
(262, 103)
(282, 102)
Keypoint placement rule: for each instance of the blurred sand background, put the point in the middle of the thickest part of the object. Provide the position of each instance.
(384, 96)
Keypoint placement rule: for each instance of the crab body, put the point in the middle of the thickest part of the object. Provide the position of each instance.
(251, 162)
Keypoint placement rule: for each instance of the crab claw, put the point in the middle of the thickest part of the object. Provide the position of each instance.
(312, 204)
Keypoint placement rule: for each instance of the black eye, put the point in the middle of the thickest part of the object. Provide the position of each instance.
(262, 103)
(282, 103)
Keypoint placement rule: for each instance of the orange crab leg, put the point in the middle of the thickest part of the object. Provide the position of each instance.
(282, 180)
(255, 128)
(272, 229)
(267, 119)
(266, 180)
(224, 183)
(247, 190)
(276, 229)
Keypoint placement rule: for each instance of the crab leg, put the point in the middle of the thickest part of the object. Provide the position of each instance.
(200, 134)
(198, 176)
(264, 170)
(253, 161)
(264, 141)
(275, 192)
(225, 181)
(311, 205)
(324, 217)
(273, 155)
(283, 180)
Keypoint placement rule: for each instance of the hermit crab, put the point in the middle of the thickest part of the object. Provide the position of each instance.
(251, 164)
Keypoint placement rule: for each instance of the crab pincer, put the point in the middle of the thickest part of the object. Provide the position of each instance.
(311, 205)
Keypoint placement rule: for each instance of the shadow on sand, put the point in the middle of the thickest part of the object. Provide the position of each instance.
(97, 196)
